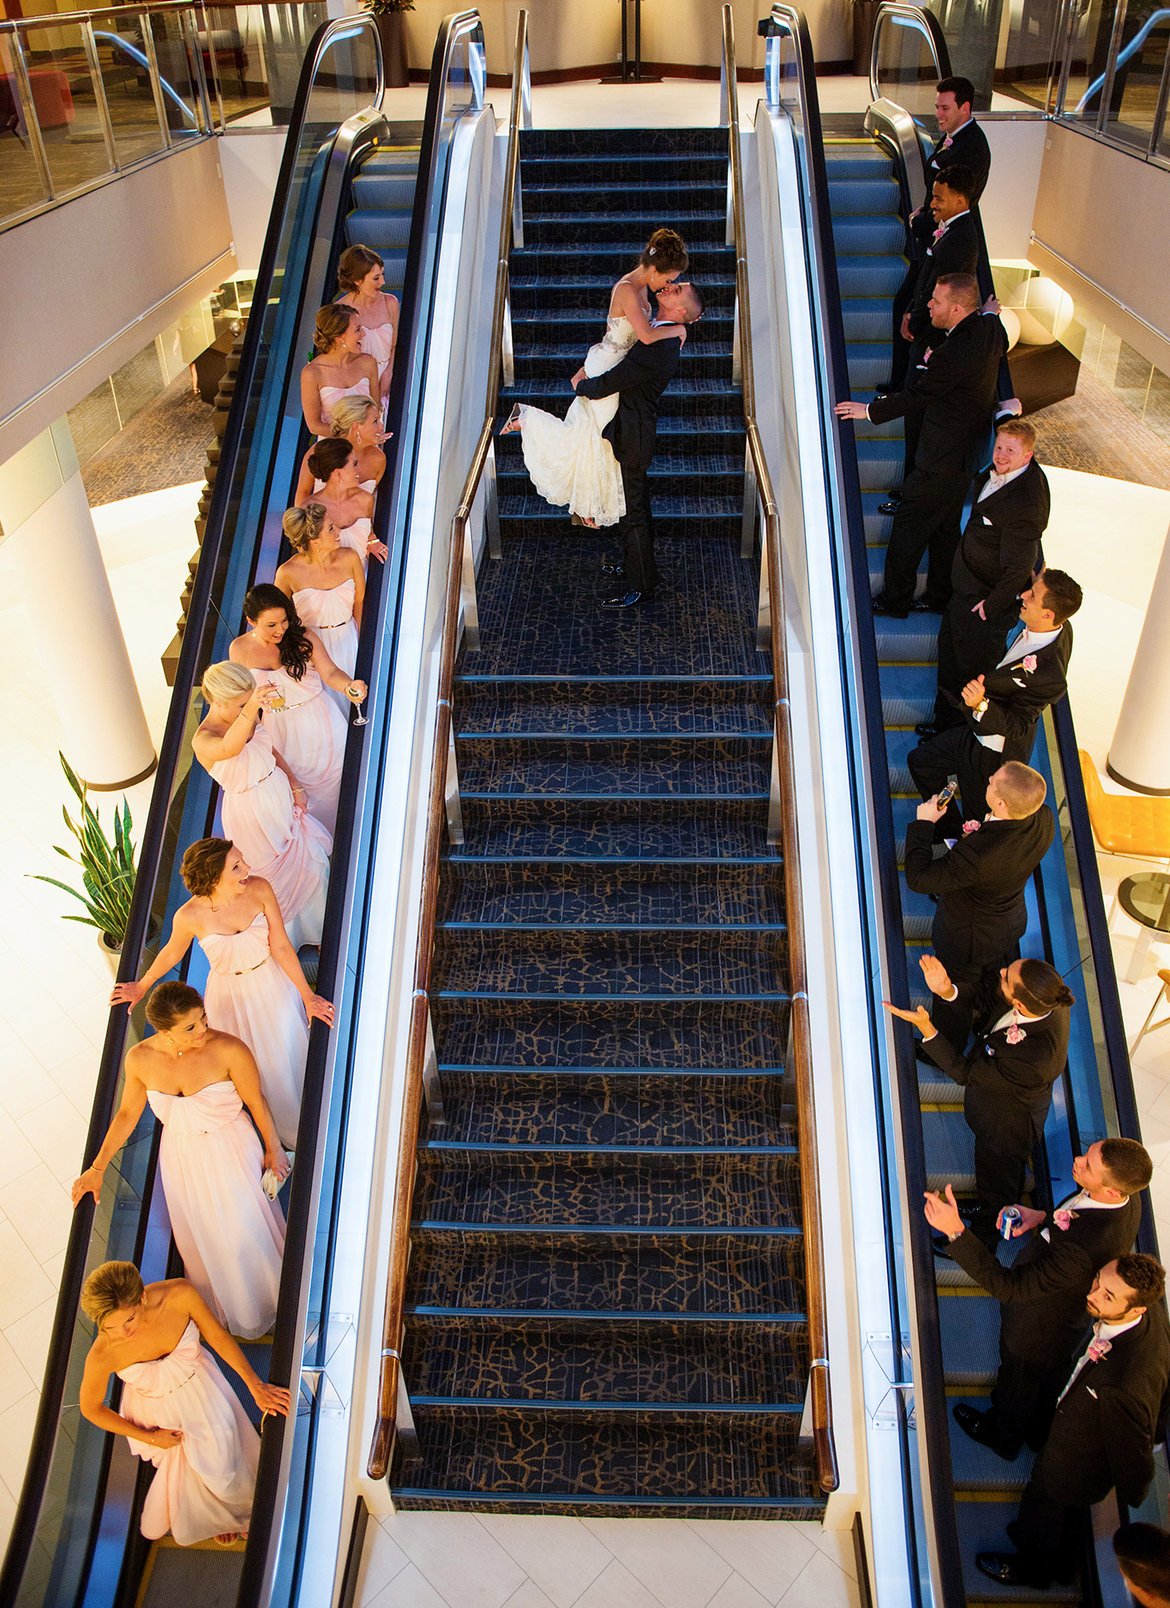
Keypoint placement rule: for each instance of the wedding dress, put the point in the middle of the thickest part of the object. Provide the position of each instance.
(205, 1483)
(568, 460)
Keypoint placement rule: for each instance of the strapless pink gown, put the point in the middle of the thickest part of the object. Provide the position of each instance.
(309, 735)
(378, 343)
(250, 997)
(356, 536)
(287, 847)
(329, 611)
(204, 1485)
(229, 1234)
(330, 395)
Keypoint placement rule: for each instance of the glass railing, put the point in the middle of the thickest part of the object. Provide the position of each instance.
(907, 59)
(59, 1552)
(88, 95)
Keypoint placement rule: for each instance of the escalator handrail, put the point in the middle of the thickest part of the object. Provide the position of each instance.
(390, 1383)
(784, 782)
(925, 22)
(891, 957)
(153, 843)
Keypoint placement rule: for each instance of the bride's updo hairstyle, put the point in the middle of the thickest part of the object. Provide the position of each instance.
(349, 412)
(200, 868)
(329, 455)
(227, 680)
(332, 322)
(294, 647)
(665, 252)
(353, 265)
(303, 525)
(110, 1288)
(168, 1003)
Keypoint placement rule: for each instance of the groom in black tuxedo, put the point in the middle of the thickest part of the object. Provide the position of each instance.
(638, 381)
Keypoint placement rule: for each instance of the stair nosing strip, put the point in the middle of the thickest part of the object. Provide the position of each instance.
(459, 1225)
(560, 1498)
(556, 1405)
(608, 1315)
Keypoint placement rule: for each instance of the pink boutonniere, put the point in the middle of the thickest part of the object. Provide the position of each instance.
(926, 354)
(1098, 1348)
(971, 826)
(1063, 1219)
(1015, 1034)
(1029, 662)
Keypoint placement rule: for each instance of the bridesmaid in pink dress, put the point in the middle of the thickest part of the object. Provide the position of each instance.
(264, 808)
(358, 421)
(340, 368)
(178, 1410)
(326, 582)
(199, 1083)
(256, 989)
(360, 280)
(335, 464)
(307, 729)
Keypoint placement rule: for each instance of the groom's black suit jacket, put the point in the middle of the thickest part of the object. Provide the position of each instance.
(638, 380)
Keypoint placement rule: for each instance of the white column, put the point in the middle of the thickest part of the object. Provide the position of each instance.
(1139, 756)
(46, 519)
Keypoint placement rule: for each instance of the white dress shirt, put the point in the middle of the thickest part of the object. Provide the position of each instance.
(998, 482)
(1027, 642)
(1101, 1331)
(1082, 1201)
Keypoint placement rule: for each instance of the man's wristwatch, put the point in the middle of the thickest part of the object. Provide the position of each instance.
(981, 707)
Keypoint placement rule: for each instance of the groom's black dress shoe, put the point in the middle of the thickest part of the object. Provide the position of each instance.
(880, 606)
(979, 1427)
(890, 506)
(1010, 1569)
(624, 600)
(926, 729)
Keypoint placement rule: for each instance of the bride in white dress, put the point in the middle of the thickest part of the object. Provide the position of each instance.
(569, 461)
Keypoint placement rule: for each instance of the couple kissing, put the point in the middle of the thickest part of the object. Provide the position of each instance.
(595, 460)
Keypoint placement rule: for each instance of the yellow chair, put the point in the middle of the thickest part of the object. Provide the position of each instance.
(1126, 823)
(1149, 1025)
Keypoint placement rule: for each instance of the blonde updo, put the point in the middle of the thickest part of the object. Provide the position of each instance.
(227, 680)
(303, 525)
(353, 265)
(332, 322)
(349, 412)
(666, 252)
(110, 1288)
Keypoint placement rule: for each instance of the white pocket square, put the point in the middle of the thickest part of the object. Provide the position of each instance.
(986, 521)
(1092, 1392)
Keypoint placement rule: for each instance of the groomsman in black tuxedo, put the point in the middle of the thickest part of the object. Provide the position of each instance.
(1000, 709)
(979, 884)
(1020, 1048)
(1010, 504)
(952, 248)
(638, 381)
(1042, 1295)
(960, 142)
(951, 399)
(1143, 1556)
(1108, 1420)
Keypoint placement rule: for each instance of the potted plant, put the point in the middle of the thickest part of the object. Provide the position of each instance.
(387, 15)
(107, 869)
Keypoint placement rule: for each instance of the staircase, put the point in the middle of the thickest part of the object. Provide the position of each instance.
(869, 237)
(605, 1299)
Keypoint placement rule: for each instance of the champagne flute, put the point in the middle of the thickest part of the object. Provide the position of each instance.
(278, 698)
(359, 718)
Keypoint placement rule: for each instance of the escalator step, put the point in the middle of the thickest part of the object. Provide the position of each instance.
(983, 1528)
(970, 1339)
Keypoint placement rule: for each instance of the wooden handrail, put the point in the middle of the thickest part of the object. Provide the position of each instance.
(810, 1188)
(382, 1445)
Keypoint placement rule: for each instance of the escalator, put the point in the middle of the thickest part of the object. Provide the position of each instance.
(347, 174)
(858, 178)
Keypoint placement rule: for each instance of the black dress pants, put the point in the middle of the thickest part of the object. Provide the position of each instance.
(929, 519)
(1047, 1532)
(637, 531)
(1004, 1134)
(1024, 1396)
(955, 753)
(967, 647)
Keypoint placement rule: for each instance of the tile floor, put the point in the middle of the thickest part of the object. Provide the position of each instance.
(455, 1560)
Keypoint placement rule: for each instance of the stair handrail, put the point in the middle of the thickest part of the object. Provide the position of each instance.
(460, 592)
(924, 22)
(784, 795)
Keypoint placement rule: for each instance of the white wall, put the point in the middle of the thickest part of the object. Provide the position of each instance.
(251, 164)
(1017, 155)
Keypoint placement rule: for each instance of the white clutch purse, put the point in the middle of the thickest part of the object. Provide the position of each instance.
(271, 1184)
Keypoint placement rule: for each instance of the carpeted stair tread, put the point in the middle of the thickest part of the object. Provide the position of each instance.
(645, 1109)
(627, 767)
(590, 963)
(568, 1460)
(646, 1035)
(983, 1528)
(645, 1189)
(573, 894)
(970, 1339)
(728, 1276)
(627, 707)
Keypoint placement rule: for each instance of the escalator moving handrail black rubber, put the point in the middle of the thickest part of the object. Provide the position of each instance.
(414, 329)
(154, 841)
(930, 1386)
(930, 26)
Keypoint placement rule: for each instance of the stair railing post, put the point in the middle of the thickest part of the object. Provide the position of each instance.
(468, 602)
(764, 606)
(775, 807)
(507, 349)
(751, 505)
(432, 1080)
(451, 798)
(405, 1430)
(491, 505)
